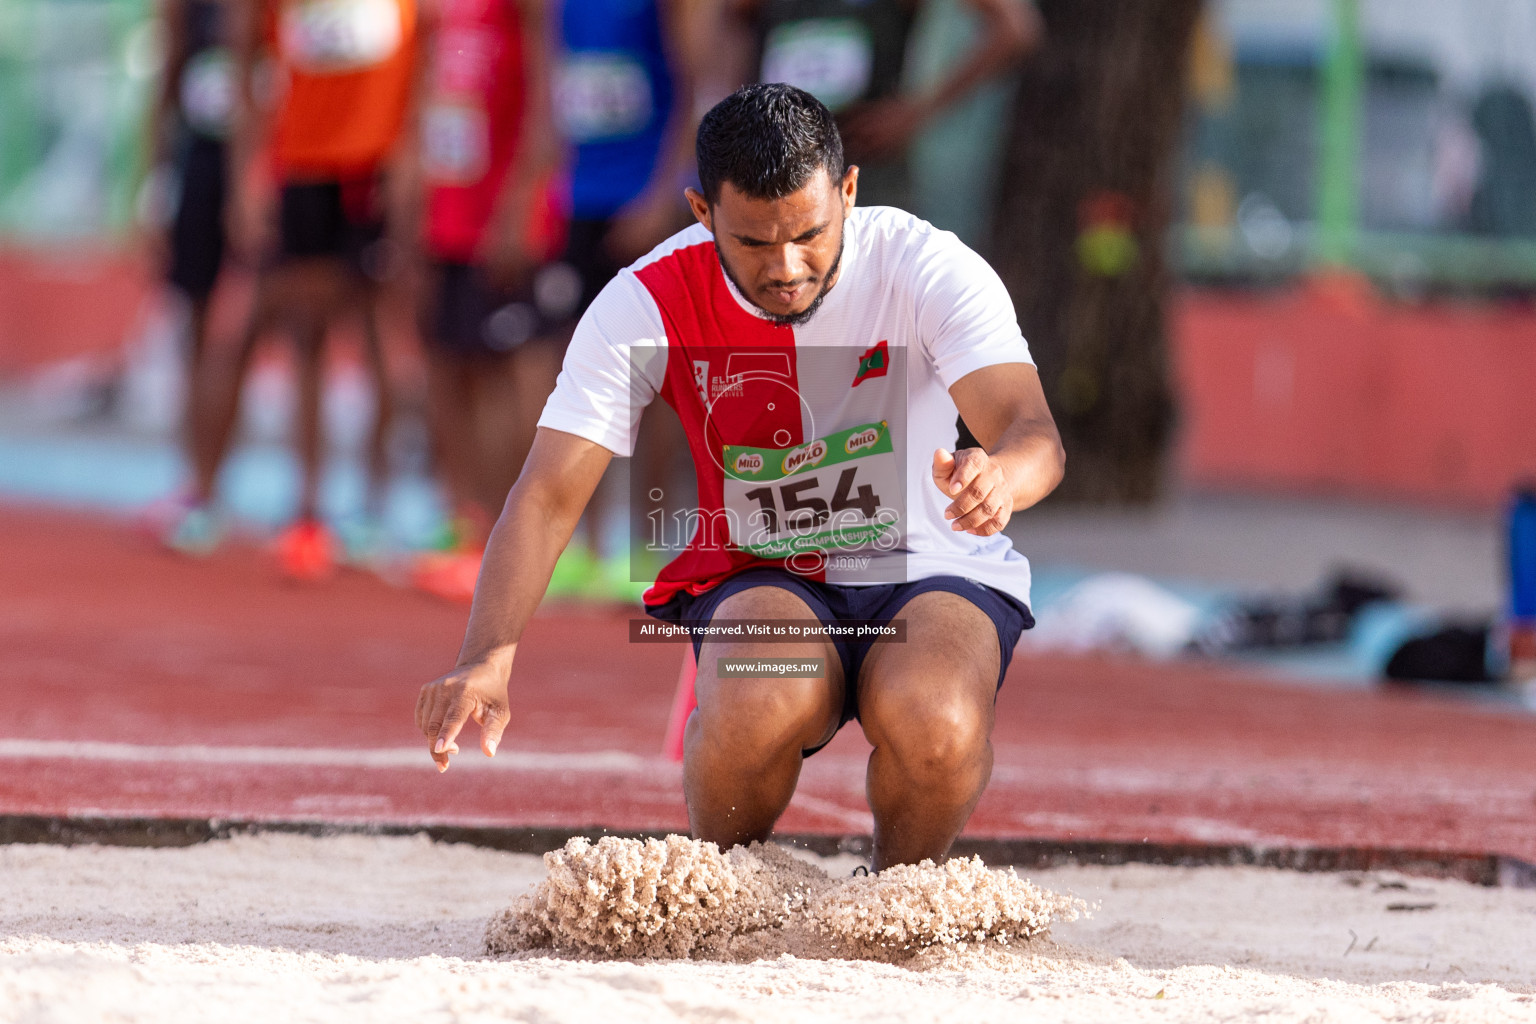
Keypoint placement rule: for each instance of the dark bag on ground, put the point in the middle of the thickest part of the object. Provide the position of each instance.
(1455, 653)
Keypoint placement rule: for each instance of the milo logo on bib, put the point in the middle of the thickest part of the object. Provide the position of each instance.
(324, 37)
(861, 440)
(838, 492)
(810, 455)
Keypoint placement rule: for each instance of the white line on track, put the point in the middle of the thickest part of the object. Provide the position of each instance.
(861, 821)
(595, 762)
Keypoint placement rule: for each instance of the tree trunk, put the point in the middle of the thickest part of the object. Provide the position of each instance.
(1083, 214)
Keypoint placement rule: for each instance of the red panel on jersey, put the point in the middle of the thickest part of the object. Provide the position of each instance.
(732, 377)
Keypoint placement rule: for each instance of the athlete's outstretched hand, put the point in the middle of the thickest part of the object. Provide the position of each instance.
(982, 503)
(477, 691)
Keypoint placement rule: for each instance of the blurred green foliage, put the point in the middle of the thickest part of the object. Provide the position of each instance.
(75, 79)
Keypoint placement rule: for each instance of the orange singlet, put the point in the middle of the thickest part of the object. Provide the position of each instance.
(345, 70)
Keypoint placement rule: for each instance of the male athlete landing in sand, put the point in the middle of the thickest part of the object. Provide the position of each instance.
(817, 355)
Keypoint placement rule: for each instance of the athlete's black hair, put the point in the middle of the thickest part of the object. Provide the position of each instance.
(767, 141)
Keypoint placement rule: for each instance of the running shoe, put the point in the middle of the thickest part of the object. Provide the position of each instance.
(306, 551)
(463, 531)
(196, 532)
(157, 519)
(614, 583)
(450, 575)
(574, 574)
(364, 543)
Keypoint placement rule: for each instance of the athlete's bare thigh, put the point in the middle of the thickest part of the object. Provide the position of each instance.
(807, 709)
(948, 661)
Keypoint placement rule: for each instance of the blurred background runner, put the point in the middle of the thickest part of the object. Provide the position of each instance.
(188, 183)
(488, 158)
(854, 55)
(318, 155)
(624, 95)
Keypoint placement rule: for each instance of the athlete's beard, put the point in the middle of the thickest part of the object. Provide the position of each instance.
(803, 317)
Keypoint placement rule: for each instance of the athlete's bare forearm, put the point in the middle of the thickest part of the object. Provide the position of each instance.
(1032, 460)
(248, 116)
(557, 481)
(1009, 30)
(1020, 460)
(539, 154)
(687, 27)
(162, 115)
(536, 523)
(519, 560)
(989, 486)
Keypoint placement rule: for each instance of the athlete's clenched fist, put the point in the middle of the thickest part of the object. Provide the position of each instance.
(477, 691)
(982, 504)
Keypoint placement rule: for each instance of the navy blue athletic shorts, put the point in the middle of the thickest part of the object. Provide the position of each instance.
(467, 316)
(197, 230)
(874, 603)
(334, 218)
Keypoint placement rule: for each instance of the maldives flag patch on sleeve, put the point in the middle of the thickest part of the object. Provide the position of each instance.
(873, 363)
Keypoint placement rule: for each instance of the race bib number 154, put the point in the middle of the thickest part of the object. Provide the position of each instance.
(837, 492)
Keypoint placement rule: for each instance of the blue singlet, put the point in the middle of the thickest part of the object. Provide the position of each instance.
(613, 93)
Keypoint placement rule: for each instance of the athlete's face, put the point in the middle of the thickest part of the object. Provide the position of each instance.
(782, 254)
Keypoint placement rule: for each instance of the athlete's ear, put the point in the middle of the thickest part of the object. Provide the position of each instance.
(700, 207)
(850, 187)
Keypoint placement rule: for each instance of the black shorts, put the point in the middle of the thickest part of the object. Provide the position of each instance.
(588, 257)
(197, 239)
(877, 603)
(464, 315)
(334, 218)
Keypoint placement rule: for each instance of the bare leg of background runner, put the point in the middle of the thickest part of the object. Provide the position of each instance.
(367, 299)
(742, 748)
(309, 364)
(216, 391)
(927, 705)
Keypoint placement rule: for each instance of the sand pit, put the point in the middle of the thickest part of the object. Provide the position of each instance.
(357, 928)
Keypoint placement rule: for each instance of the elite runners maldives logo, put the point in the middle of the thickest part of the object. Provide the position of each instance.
(873, 363)
(749, 462)
(809, 455)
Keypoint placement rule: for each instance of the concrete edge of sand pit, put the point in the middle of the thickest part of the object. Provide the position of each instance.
(1488, 869)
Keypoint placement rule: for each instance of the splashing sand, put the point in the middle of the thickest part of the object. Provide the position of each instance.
(914, 906)
(682, 898)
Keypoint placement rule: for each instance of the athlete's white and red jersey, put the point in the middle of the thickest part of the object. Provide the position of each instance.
(913, 311)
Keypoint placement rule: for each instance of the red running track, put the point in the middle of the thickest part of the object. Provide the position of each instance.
(139, 684)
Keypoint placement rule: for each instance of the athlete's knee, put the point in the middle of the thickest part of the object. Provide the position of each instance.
(756, 719)
(931, 734)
